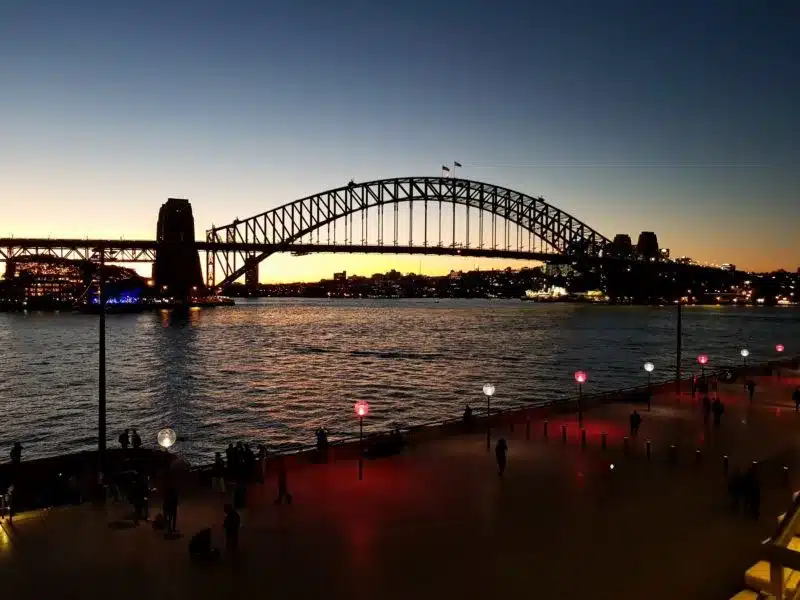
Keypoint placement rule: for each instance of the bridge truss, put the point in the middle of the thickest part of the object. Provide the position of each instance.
(312, 221)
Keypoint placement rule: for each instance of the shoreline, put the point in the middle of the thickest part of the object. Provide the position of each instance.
(84, 463)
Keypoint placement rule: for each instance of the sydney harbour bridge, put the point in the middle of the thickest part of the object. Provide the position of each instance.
(407, 215)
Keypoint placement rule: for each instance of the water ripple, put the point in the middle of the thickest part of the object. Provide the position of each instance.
(273, 371)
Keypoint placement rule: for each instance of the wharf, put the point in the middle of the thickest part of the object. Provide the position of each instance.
(438, 522)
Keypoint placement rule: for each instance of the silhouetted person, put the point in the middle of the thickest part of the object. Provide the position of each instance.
(124, 440)
(717, 408)
(714, 385)
(706, 409)
(468, 415)
(170, 508)
(796, 398)
(635, 422)
(751, 389)
(283, 488)
(501, 455)
(136, 440)
(322, 440)
(694, 385)
(751, 488)
(231, 526)
(200, 544)
(16, 454)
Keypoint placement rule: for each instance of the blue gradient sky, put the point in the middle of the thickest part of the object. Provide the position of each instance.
(679, 117)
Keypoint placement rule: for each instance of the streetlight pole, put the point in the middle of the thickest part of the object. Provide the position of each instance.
(362, 409)
(678, 352)
(360, 447)
(580, 377)
(101, 408)
(488, 391)
(648, 366)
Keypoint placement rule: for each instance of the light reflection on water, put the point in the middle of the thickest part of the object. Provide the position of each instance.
(273, 371)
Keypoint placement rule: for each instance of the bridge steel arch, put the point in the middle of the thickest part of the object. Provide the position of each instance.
(280, 227)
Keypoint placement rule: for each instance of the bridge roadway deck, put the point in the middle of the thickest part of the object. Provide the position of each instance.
(437, 522)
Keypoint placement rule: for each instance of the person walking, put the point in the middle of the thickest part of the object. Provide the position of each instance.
(16, 454)
(501, 455)
(635, 422)
(751, 389)
(136, 439)
(717, 408)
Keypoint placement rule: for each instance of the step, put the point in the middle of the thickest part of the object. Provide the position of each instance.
(751, 595)
(757, 578)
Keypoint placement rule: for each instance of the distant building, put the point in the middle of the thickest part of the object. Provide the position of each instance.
(622, 247)
(647, 246)
(251, 274)
(340, 276)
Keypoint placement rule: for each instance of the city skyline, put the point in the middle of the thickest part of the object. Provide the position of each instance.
(675, 119)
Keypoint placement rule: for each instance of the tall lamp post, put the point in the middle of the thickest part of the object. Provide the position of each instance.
(580, 377)
(101, 376)
(703, 360)
(488, 391)
(678, 339)
(745, 353)
(362, 410)
(648, 366)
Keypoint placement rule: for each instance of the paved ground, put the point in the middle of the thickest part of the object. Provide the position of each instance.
(438, 522)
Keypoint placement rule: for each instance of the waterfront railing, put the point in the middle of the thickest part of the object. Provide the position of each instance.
(518, 413)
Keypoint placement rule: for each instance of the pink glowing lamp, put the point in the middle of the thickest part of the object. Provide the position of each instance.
(581, 377)
(702, 359)
(779, 348)
(361, 408)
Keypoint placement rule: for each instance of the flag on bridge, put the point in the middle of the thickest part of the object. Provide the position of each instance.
(456, 164)
(445, 168)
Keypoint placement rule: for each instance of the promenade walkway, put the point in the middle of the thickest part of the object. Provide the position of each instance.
(438, 522)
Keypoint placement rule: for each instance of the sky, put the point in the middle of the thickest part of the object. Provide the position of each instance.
(677, 117)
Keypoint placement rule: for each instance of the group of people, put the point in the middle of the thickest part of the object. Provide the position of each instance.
(128, 438)
(744, 489)
(240, 464)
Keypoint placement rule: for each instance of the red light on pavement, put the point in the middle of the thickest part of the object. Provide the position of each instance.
(702, 359)
(580, 377)
(361, 408)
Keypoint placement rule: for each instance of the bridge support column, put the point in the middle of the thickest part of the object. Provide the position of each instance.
(251, 274)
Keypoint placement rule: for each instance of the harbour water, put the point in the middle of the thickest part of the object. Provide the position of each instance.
(272, 371)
